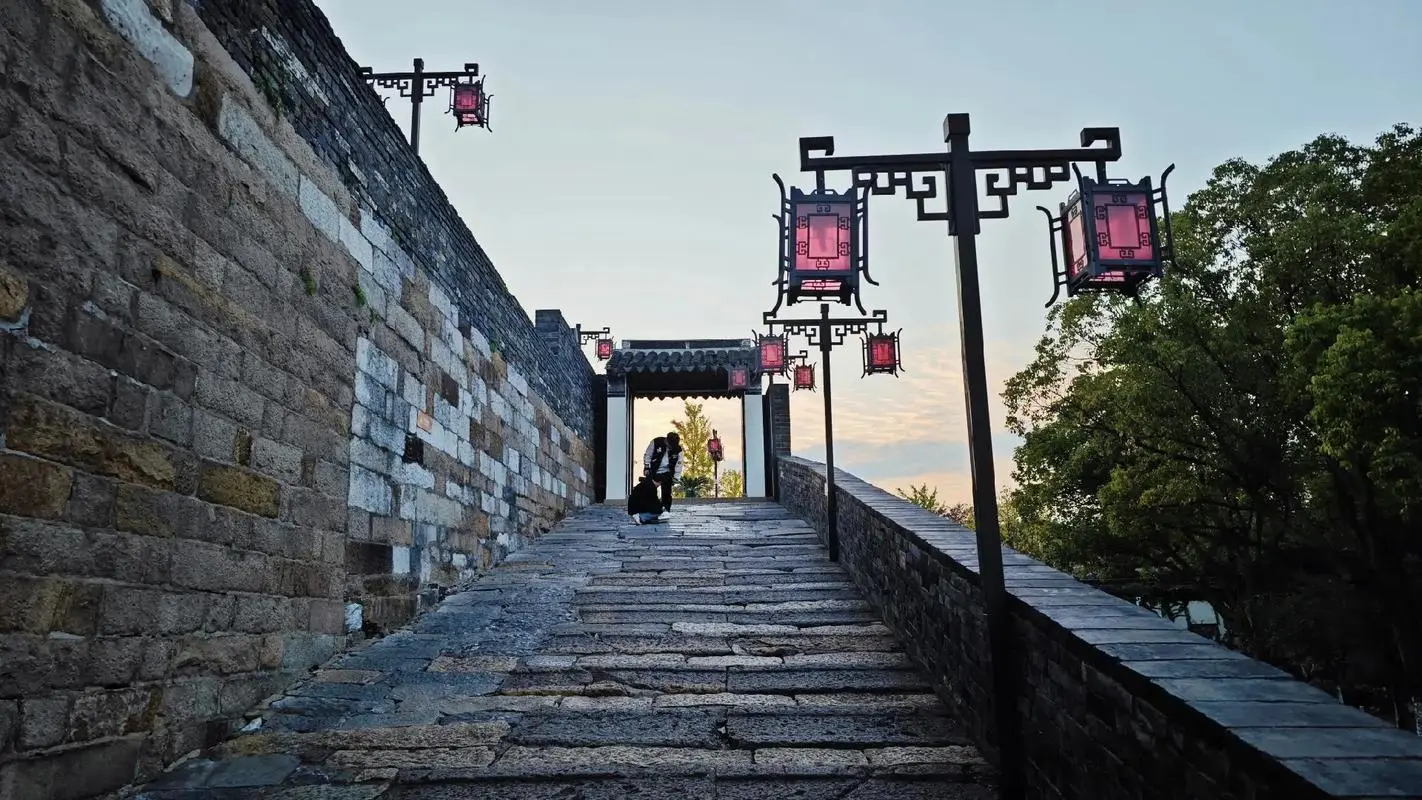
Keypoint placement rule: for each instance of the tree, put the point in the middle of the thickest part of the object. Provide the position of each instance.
(733, 484)
(923, 497)
(695, 432)
(926, 498)
(1247, 431)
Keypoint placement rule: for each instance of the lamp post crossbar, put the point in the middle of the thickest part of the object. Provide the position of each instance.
(826, 333)
(1008, 172)
(417, 85)
(591, 336)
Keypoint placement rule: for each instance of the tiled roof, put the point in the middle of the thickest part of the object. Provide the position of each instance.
(636, 357)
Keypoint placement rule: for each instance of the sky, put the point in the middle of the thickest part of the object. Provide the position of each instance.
(627, 178)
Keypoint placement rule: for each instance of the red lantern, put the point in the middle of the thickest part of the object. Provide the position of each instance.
(604, 349)
(822, 235)
(470, 105)
(714, 448)
(804, 377)
(1109, 236)
(772, 354)
(881, 353)
(739, 379)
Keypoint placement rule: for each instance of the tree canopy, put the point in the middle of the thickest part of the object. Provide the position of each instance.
(733, 483)
(927, 498)
(695, 431)
(1248, 431)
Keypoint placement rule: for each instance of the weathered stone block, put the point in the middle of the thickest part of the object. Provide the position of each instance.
(64, 435)
(33, 488)
(216, 655)
(155, 513)
(42, 605)
(60, 377)
(91, 502)
(238, 488)
(198, 565)
(214, 437)
(14, 294)
(104, 714)
(171, 419)
(129, 408)
(44, 721)
(280, 461)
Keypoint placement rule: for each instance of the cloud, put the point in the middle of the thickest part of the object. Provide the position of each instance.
(954, 486)
(925, 402)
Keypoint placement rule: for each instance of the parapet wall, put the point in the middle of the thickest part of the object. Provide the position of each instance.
(1116, 702)
(253, 368)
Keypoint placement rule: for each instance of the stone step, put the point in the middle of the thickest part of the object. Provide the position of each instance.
(646, 681)
(800, 619)
(618, 771)
(689, 644)
(774, 783)
(853, 604)
(720, 656)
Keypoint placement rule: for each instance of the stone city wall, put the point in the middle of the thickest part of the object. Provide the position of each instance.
(1116, 702)
(252, 368)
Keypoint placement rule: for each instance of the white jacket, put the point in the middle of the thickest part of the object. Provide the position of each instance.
(676, 460)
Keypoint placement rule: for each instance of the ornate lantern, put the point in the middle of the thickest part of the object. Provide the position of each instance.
(773, 352)
(470, 105)
(714, 448)
(804, 377)
(604, 349)
(738, 379)
(823, 235)
(881, 353)
(1109, 235)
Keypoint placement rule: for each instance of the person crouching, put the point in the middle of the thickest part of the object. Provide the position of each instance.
(643, 504)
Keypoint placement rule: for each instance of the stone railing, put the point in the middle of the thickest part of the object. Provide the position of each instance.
(1115, 701)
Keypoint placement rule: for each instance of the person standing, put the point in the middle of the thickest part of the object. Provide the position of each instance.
(662, 462)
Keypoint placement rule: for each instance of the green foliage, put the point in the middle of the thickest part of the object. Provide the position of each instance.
(733, 483)
(1250, 432)
(269, 90)
(308, 280)
(695, 431)
(926, 498)
(694, 485)
(923, 497)
(360, 299)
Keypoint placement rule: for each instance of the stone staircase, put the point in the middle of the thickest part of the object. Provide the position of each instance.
(718, 655)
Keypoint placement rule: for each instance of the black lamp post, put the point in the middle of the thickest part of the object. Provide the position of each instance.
(603, 337)
(824, 243)
(881, 356)
(468, 101)
(717, 451)
(1109, 236)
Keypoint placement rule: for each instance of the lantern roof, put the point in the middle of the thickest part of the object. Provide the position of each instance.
(692, 368)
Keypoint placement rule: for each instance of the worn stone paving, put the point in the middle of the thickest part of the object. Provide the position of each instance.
(718, 655)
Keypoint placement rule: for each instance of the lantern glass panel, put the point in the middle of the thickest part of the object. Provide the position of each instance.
(804, 377)
(1123, 223)
(604, 348)
(469, 103)
(772, 354)
(883, 352)
(739, 378)
(1074, 240)
(823, 237)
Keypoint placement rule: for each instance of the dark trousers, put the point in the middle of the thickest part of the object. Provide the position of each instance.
(665, 480)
